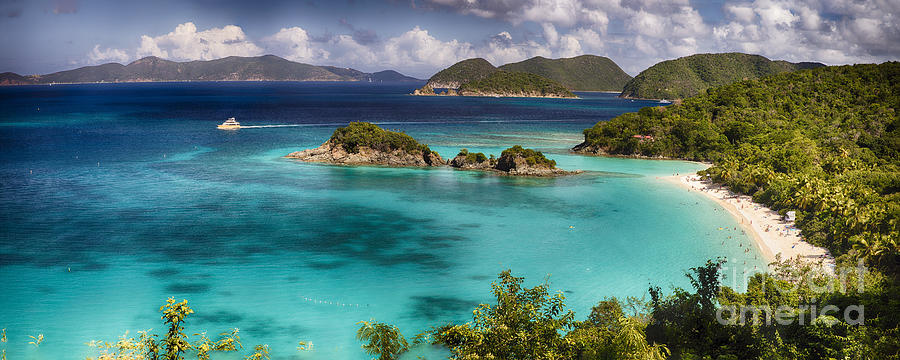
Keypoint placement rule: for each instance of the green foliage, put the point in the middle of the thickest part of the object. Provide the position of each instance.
(260, 352)
(623, 339)
(800, 293)
(532, 157)
(526, 323)
(692, 75)
(229, 341)
(174, 314)
(472, 158)
(681, 317)
(508, 83)
(176, 343)
(824, 143)
(382, 340)
(357, 134)
(127, 348)
(531, 323)
(580, 73)
(462, 72)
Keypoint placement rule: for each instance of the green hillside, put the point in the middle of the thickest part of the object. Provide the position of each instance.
(824, 142)
(519, 84)
(580, 73)
(691, 75)
(107, 72)
(462, 72)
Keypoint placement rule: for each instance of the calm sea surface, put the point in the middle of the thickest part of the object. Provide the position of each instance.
(116, 197)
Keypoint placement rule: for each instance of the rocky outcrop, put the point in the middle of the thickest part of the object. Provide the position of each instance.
(520, 166)
(336, 154)
(461, 162)
(585, 148)
(529, 94)
(429, 91)
(509, 163)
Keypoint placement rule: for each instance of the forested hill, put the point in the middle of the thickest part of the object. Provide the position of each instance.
(232, 68)
(517, 84)
(691, 75)
(824, 142)
(460, 73)
(580, 73)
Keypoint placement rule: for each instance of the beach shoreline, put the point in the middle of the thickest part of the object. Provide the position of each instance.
(772, 234)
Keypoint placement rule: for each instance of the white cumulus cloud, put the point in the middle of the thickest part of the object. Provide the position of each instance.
(97, 56)
(418, 49)
(186, 43)
(293, 43)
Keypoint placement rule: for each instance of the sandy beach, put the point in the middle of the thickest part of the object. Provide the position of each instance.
(772, 233)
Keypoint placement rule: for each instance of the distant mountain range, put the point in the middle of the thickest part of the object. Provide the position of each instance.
(671, 79)
(581, 73)
(232, 68)
(691, 75)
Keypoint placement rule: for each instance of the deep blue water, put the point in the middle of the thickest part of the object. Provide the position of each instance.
(115, 197)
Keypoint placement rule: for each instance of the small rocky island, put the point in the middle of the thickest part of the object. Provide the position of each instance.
(517, 161)
(362, 143)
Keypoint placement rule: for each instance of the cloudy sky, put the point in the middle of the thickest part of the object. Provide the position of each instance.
(419, 37)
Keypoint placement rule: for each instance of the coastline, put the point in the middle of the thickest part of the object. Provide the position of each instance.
(772, 234)
(498, 96)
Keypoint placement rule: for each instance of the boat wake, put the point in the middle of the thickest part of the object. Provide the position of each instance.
(271, 126)
(404, 123)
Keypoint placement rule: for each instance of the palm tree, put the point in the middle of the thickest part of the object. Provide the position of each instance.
(383, 340)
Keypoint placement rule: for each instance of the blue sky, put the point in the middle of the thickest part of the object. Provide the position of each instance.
(419, 37)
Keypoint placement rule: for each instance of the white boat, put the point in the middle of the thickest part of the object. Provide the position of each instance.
(664, 101)
(230, 124)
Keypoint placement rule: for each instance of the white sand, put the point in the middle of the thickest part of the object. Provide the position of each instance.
(773, 234)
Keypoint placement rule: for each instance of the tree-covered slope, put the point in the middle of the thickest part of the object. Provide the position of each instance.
(460, 73)
(107, 72)
(824, 142)
(580, 73)
(358, 134)
(691, 75)
(520, 84)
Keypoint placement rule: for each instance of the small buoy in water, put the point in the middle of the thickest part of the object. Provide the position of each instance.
(571, 226)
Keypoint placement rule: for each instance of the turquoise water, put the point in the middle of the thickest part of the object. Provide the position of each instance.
(115, 197)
